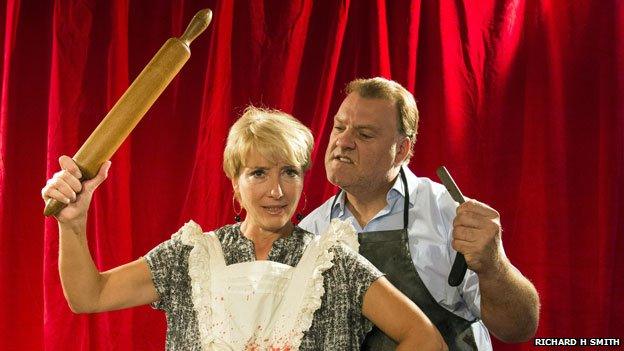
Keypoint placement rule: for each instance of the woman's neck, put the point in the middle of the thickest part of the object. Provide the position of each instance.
(263, 239)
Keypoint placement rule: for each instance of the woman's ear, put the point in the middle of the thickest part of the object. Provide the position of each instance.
(235, 189)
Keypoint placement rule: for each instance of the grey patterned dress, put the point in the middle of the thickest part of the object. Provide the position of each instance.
(337, 325)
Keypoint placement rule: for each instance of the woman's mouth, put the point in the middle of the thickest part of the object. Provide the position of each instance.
(274, 210)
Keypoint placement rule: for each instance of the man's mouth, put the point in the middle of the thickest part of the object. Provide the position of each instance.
(343, 159)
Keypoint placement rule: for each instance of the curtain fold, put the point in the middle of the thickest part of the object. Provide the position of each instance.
(521, 100)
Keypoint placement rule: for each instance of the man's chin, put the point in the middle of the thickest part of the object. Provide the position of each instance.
(337, 180)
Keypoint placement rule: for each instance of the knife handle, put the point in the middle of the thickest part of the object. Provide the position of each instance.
(458, 271)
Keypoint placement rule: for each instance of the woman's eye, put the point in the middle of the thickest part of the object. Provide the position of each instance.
(258, 173)
(339, 128)
(292, 172)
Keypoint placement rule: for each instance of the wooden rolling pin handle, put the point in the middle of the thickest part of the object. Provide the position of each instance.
(53, 207)
(198, 24)
(134, 103)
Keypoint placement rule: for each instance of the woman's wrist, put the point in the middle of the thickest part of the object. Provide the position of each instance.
(76, 226)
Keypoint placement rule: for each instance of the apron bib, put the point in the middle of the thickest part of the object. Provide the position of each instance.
(258, 305)
(389, 251)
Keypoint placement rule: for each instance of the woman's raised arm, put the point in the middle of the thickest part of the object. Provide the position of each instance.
(86, 289)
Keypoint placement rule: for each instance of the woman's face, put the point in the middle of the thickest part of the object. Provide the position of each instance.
(269, 192)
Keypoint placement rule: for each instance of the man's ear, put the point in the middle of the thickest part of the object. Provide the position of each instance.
(403, 148)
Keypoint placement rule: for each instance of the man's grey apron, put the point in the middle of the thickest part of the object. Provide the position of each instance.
(389, 251)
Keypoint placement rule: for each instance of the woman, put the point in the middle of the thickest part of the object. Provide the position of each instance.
(262, 284)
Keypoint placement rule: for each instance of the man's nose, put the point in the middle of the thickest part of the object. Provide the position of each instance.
(345, 140)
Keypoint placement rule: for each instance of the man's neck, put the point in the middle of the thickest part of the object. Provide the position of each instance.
(366, 204)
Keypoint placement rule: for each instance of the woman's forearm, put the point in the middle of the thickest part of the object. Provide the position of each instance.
(399, 318)
(413, 342)
(80, 278)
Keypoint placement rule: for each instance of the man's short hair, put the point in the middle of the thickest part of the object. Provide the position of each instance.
(381, 88)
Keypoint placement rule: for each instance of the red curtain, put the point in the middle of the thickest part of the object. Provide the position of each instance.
(522, 100)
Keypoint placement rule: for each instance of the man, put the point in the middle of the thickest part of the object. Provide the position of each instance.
(410, 228)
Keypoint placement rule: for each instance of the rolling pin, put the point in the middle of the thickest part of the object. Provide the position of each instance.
(134, 103)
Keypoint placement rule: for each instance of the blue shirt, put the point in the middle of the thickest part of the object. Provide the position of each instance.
(431, 214)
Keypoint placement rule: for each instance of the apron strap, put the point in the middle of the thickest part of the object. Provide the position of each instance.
(406, 199)
(215, 252)
(302, 280)
(204, 260)
(305, 292)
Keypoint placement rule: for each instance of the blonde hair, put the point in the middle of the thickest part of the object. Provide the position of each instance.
(276, 135)
(381, 88)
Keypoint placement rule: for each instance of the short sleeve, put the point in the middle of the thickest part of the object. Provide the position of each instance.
(360, 274)
(471, 293)
(168, 264)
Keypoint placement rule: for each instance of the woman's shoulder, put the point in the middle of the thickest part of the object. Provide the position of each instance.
(303, 235)
(345, 249)
(191, 233)
(188, 234)
(340, 233)
(227, 230)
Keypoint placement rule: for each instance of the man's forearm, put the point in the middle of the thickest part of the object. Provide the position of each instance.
(509, 304)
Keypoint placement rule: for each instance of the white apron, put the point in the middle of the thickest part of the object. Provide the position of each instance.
(258, 305)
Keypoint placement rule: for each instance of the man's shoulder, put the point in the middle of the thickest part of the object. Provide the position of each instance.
(431, 188)
(423, 187)
(431, 199)
(319, 218)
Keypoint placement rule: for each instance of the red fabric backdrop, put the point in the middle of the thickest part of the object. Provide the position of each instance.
(522, 100)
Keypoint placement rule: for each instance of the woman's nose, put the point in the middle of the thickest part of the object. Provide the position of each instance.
(276, 190)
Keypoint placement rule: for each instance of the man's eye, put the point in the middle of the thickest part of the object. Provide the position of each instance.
(365, 136)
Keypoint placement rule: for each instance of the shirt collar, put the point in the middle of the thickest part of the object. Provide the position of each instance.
(399, 190)
(339, 205)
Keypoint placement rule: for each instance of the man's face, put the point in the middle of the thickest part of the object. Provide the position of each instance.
(365, 146)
